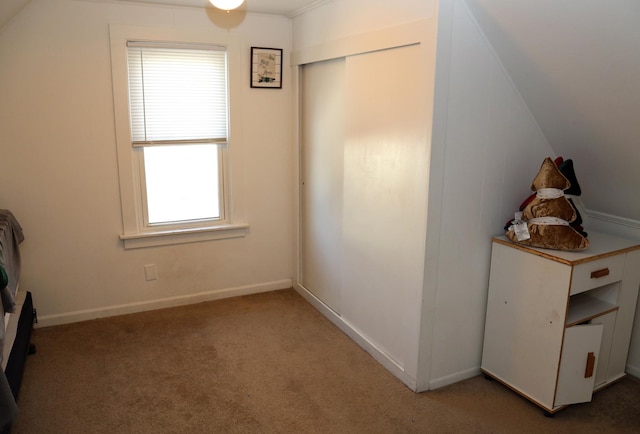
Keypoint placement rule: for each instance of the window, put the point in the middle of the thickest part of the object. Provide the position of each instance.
(174, 138)
(183, 184)
(178, 109)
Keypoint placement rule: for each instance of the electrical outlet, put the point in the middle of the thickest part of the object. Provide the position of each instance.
(150, 272)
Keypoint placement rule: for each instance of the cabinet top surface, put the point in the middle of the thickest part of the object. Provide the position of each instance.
(601, 245)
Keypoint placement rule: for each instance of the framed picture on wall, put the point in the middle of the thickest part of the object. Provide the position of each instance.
(266, 67)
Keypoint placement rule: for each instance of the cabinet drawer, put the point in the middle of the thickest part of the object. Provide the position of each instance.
(597, 273)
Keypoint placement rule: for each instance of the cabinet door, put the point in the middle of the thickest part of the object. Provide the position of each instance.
(608, 321)
(575, 384)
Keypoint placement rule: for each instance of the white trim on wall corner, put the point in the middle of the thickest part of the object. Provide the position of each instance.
(454, 378)
(633, 371)
(412, 33)
(142, 306)
(614, 219)
(608, 223)
(308, 8)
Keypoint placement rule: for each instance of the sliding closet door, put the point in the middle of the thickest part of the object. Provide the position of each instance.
(322, 113)
(384, 196)
(364, 162)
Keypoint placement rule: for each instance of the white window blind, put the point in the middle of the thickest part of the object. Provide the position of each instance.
(178, 94)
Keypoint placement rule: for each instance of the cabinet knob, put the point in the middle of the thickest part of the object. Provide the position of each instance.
(599, 273)
(591, 363)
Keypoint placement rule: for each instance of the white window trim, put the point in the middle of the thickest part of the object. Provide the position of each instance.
(135, 234)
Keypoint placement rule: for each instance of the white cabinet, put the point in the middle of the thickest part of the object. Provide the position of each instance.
(559, 323)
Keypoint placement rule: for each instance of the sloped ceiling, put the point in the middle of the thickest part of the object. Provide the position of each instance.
(9, 8)
(279, 7)
(577, 65)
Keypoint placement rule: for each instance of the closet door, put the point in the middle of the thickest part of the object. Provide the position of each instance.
(384, 196)
(322, 115)
(364, 171)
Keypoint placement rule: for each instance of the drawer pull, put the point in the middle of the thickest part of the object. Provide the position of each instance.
(599, 273)
(591, 362)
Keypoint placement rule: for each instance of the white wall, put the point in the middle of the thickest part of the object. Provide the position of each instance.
(576, 63)
(489, 148)
(60, 177)
(339, 19)
(575, 77)
(494, 141)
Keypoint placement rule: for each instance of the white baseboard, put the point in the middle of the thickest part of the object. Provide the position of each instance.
(380, 356)
(454, 378)
(365, 343)
(142, 306)
(633, 370)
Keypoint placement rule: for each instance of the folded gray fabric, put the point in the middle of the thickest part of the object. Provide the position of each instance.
(11, 236)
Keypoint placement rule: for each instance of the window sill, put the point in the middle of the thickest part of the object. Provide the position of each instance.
(180, 236)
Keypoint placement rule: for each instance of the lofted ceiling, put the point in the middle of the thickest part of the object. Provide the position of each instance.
(576, 63)
(279, 7)
(9, 8)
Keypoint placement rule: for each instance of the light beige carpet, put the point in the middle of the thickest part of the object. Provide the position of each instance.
(266, 363)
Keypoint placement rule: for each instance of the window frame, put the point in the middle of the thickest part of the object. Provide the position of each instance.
(136, 233)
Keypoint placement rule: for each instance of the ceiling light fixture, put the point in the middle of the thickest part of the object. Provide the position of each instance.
(226, 5)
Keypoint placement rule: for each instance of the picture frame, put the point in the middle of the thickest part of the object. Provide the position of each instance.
(266, 67)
